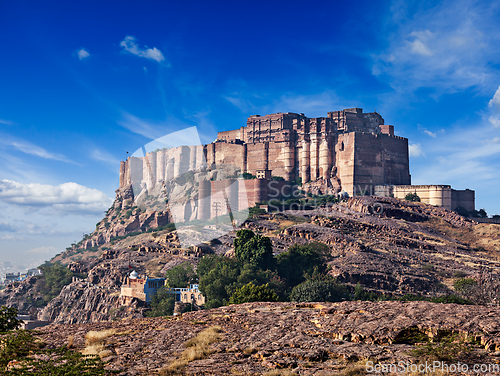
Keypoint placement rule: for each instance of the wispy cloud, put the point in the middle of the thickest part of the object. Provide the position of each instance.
(129, 44)
(158, 129)
(12, 238)
(6, 122)
(430, 134)
(494, 102)
(104, 156)
(43, 250)
(67, 197)
(448, 47)
(312, 105)
(83, 54)
(415, 150)
(32, 149)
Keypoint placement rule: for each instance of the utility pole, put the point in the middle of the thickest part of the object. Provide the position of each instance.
(217, 208)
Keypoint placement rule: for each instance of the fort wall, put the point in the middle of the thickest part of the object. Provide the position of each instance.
(437, 195)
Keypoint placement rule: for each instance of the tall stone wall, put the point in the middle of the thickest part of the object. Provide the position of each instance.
(344, 161)
(379, 159)
(464, 198)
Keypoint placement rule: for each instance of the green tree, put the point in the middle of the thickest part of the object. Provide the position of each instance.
(301, 261)
(162, 303)
(251, 273)
(325, 289)
(8, 319)
(412, 197)
(54, 278)
(254, 249)
(220, 282)
(181, 276)
(208, 263)
(252, 293)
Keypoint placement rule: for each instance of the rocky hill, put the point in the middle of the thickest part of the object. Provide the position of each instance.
(386, 245)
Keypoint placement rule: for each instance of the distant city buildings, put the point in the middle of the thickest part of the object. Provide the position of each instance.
(15, 277)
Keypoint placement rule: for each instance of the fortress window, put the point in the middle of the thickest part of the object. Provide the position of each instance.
(341, 148)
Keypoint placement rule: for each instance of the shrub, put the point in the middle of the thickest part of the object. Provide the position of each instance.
(361, 294)
(8, 319)
(462, 211)
(325, 289)
(162, 303)
(412, 197)
(253, 293)
(30, 358)
(463, 284)
(248, 176)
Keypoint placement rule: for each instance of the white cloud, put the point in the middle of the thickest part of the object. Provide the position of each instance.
(43, 250)
(419, 48)
(419, 45)
(6, 122)
(430, 134)
(449, 46)
(415, 150)
(67, 197)
(495, 121)
(82, 54)
(130, 45)
(495, 101)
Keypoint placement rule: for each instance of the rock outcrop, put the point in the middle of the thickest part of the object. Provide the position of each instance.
(81, 302)
(308, 338)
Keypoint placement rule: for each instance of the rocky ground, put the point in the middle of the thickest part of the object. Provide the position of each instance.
(307, 338)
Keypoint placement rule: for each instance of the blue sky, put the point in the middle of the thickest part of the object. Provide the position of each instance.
(81, 83)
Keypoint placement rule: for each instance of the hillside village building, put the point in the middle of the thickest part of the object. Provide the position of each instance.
(143, 288)
(348, 150)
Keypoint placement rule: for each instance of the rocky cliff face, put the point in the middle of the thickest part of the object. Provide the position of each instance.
(81, 302)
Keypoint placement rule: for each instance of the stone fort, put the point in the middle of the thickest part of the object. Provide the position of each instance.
(348, 150)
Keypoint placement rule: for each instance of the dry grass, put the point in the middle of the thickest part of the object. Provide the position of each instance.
(355, 369)
(94, 343)
(196, 348)
(250, 350)
(280, 372)
(71, 342)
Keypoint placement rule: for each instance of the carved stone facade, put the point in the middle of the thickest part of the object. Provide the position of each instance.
(349, 148)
